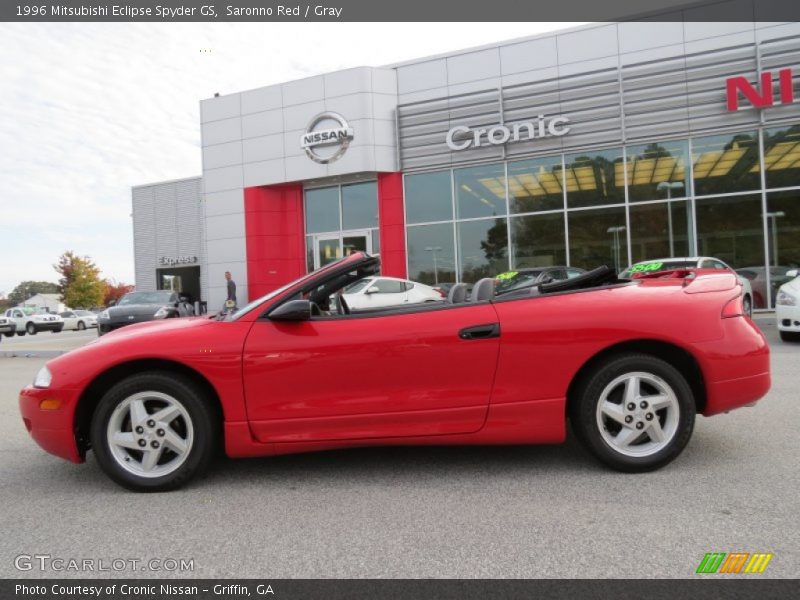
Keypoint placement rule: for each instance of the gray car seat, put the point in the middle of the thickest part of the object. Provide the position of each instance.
(457, 294)
(483, 290)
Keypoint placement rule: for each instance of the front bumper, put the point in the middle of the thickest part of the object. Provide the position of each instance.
(49, 326)
(8, 328)
(788, 318)
(51, 429)
(108, 326)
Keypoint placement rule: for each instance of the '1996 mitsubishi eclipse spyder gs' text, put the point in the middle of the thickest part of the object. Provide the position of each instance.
(628, 363)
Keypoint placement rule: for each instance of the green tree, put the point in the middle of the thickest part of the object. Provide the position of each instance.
(26, 289)
(80, 283)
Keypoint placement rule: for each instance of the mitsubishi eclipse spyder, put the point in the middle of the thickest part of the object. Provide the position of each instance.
(629, 363)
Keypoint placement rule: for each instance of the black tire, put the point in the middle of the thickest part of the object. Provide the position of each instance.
(30, 328)
(9, 334)
(747, 305)
(197, 405)
(584, 420)
(20, 333)
(790, 336)
(81, 325)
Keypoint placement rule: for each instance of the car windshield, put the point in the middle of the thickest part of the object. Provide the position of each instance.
(514, 280)
(146, 298)
(656, 266)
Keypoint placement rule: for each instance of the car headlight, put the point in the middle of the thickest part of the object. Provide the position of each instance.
(161, 313)
(104, 315)
(43, 378)
(786, 299)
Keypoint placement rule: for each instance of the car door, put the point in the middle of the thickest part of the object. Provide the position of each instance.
(423, 372)
(384, 292)
(70, 320)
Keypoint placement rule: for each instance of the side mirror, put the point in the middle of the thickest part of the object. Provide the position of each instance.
(373, 290)
(294, 310)
(112, 303)
(792, 272)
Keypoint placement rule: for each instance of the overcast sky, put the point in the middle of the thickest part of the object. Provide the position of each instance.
(88, 110)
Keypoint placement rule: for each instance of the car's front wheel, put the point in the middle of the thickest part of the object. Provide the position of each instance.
(634, 412)
(153, 432)
(747, 306)
(81, 325)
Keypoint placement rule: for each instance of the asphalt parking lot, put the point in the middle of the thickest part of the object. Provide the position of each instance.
(512, 512)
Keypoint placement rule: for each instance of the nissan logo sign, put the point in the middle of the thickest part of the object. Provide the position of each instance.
(326, 138)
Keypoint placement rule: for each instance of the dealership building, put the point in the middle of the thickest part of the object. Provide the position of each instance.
(604, 144)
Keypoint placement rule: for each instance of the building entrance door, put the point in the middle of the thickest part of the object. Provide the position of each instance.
(332, 247)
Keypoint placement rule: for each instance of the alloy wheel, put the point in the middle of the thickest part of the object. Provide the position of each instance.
(150, 434)
(638, 414)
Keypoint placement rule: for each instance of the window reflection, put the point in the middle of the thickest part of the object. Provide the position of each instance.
(322, 210)
(360, 205)
(598, 237)
(431, 254)
(660, 230)
(730, 228)
(538, 241)
(726, 163)
(535, 185)
(658, 170)
(595, 178)
(480, 191)
(782, 156)
(482, 248)
(428, 197)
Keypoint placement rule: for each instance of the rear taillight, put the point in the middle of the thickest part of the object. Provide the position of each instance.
(733, 307)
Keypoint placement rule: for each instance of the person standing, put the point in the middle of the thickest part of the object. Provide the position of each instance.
(231, 289)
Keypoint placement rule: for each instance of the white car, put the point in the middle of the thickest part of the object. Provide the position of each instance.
(378, 292)
(787, 308)
(693, 262)
(79, 320)
(32, 321)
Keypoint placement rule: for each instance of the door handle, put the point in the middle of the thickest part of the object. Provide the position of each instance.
(480, 332)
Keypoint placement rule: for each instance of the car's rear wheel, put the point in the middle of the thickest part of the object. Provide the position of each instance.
(20, 333)
(790, 336)
(153, 432)
(634, 412)
(30, 328)
(81, 325)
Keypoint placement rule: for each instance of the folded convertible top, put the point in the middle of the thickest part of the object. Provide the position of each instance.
(595, 277)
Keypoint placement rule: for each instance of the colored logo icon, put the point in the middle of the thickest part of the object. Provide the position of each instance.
(734, 563)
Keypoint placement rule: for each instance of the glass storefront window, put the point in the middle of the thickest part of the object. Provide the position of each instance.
(480, 191)
(598, 237)
(731, 229)
(783, 231)
(360, 205)
(428, 197)
(660, 230)
(535, 185)
(538, 241)
(431, 254)
(782, 156)
(482, 248)
(726, 163)
(658, 170)
(595, 178)
(322, 210)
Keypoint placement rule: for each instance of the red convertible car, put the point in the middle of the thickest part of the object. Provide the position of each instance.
(627, 363)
